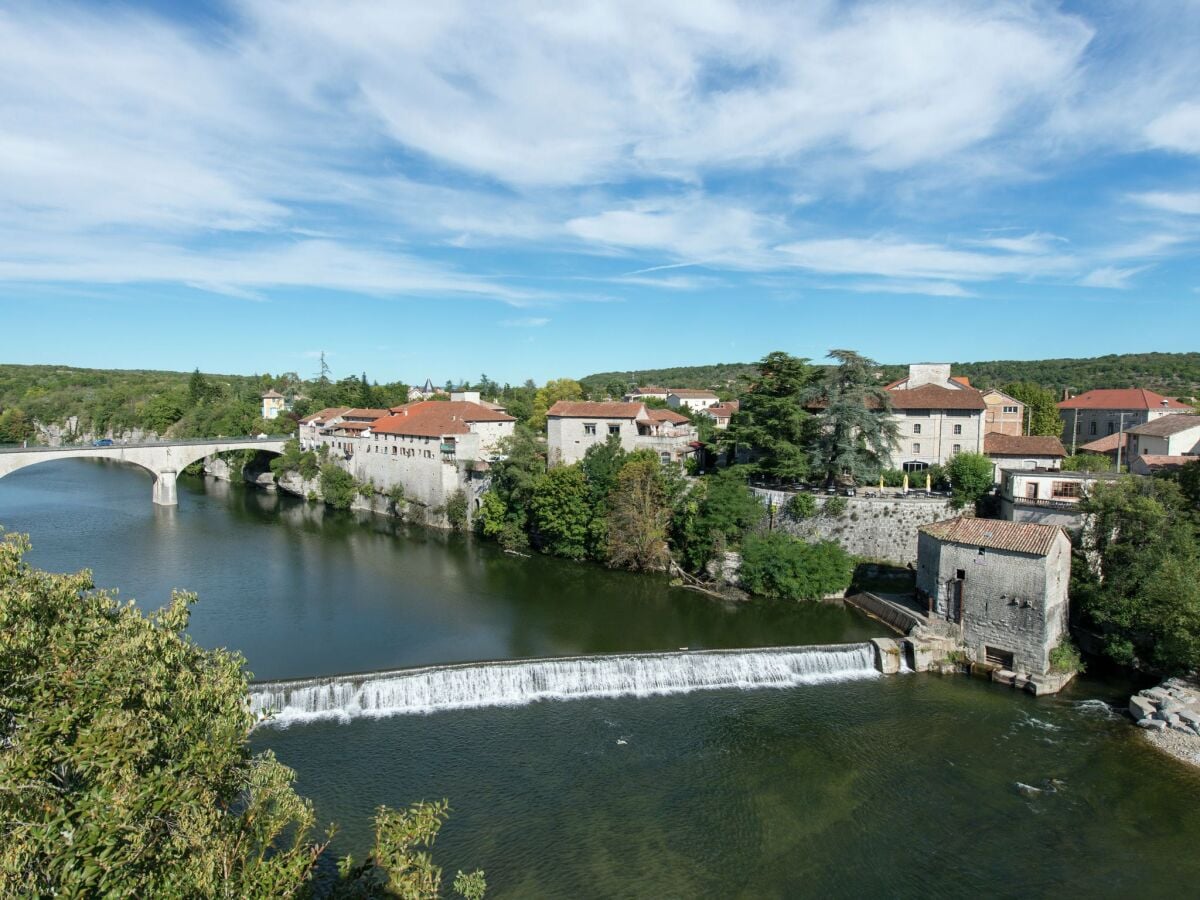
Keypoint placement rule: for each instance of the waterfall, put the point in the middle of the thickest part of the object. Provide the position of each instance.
(517, 682)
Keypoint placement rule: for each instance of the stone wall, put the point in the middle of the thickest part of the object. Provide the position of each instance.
(876, 527)
(58, 434)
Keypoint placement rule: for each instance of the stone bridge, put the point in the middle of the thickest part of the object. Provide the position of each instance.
(164, 459)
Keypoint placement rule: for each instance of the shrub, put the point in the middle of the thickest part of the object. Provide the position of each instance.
(800, 507)
(337, 486)
(776, 565)
(834, 507)
(971, 477)
(1065, 658)
(456, 510)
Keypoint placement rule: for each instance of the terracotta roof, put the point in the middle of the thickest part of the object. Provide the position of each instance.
(1164, 426)
(365, 413)
(584, 409)
(964, 380)
(433, 418)
(1017, 537)
(329, 412)
(1106, 444)
(666, 415)
(688, 392)
(996, 444)
(272, 394)
(933, 396)
(1122, 398)
(351, 426)
(1158, 462)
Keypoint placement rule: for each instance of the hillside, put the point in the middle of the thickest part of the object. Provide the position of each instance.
(1174, 374)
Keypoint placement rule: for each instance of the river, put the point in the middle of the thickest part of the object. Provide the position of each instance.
(913, 785)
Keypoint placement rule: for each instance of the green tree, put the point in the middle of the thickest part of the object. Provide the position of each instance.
(1142, 593)
(777, 565)
(338, 487)
(561, 512)
(639, 517)
(15, 427)
(456, 510)
(772, 422)
(1087, 462)
(714, 513)
(971, 477)
(553, 391)
(855, 435)
(504, 515)
(125, 768)
(1041, 408)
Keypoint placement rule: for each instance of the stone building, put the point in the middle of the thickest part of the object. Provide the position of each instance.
(309, 430)
(1099, 413)
(273, 403)
(573, 426)
(1004, 583)
(649, 392)
(1177, 435)
(1022, 451)
(937, 416)
(722, 413)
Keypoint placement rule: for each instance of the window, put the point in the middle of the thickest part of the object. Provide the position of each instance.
(614, 429)
(917, 428)
(1111, 427)
(1010, 410)
(916, 448)
(589, 427)
(1064, 489)
(1093, 429)
(958, 448)
(958, 429)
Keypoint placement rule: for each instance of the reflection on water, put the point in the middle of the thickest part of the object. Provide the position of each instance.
(303, 590)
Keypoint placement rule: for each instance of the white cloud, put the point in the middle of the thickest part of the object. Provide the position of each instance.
(526, 322)
(921, 288)
(1185, 202)
(1111, 277)
(1035, 242)
(1178, 129)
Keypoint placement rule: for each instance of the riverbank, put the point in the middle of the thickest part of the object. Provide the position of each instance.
(1169, 715)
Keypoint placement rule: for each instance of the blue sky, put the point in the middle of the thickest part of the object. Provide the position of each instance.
(547, 189)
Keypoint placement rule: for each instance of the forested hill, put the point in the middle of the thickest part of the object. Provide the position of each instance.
(1173, 374)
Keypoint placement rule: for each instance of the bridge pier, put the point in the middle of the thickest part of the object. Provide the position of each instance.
(165, 491)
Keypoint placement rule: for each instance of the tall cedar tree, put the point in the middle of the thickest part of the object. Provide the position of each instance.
(855, 434)
(772, 422)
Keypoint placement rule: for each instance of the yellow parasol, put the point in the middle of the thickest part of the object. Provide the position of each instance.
(906, 482)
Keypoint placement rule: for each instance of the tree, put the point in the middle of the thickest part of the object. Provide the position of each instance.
(639, 517)
(716, 511)
(1087, 462)
(561, 513)
(771, 421)
(504, 513)
(338, 488)
(1041, 408)
(780, 566)
(15, 427)
(366, 397)
(553, 391)
(972, 477)
(456, 510)
(1140, 588)
(126, 769)
(198, 388)
(855, 435)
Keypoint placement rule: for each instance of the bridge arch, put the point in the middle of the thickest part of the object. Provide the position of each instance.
(164, 459)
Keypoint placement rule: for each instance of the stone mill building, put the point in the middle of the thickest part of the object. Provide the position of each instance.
(1004, 583)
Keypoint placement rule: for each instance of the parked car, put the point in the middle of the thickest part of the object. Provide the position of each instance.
(102, 442)
(262, 435)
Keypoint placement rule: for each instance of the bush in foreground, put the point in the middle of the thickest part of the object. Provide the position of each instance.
(776, 565)
(125, 769)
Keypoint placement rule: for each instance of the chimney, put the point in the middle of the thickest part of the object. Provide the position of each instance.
(1066, 393)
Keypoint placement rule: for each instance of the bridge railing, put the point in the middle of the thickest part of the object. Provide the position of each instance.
(187, 442)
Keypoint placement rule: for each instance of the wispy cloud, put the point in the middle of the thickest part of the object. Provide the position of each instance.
(1111, 277)
(1185, 202)
(526, 322)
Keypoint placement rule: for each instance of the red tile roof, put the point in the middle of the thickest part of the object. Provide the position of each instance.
(371, 414)
(996, 444)
(1155, 462)
(584, 409)
(1122, 398)
(433, 418)
(1106, 444)
(1017, 537)
(666, 415)
(933, 396)
(688, 392)
(324, 415)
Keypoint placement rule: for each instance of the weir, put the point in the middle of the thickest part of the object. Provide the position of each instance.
(517, 682)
